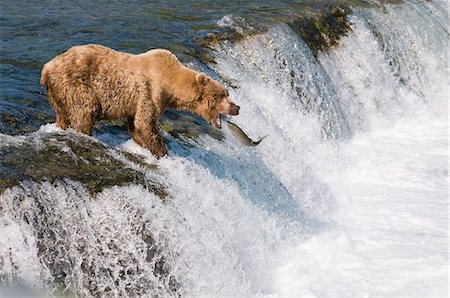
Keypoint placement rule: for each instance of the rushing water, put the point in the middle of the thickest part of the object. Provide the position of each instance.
(347, 196)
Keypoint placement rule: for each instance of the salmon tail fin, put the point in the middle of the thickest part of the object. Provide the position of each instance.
(260, 140)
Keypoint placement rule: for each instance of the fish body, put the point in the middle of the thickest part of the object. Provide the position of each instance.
(242, 136)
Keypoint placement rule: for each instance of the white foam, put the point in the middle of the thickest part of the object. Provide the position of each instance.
(18, 251)
(389, 234)
(49, 128)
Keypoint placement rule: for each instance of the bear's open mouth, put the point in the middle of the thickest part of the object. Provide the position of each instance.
(217, 122)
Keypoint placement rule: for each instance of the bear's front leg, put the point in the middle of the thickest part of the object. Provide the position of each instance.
(145, 133)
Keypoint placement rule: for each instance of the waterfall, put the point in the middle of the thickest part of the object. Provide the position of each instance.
(347, 196)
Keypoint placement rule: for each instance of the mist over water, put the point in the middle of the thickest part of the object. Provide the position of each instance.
(347, 196)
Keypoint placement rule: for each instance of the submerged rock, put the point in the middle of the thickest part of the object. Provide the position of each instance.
(20, 123)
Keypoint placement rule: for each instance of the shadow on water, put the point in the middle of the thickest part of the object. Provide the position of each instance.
(254, 180)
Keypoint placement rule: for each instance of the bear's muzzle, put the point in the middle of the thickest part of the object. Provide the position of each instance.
(234, 110)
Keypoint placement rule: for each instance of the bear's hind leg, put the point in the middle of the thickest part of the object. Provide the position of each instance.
(61, 118)
(83, 122)
(85, 109)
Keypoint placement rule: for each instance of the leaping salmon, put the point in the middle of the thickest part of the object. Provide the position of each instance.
(241, 136)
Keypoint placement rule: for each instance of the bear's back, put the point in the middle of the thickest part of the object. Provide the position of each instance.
(80, 62)
(83, 55)
(158, 59)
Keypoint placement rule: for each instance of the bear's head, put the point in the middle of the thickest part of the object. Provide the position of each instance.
(214, 101)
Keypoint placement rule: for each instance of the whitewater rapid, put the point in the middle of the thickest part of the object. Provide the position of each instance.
(388, 235)
(346, 197)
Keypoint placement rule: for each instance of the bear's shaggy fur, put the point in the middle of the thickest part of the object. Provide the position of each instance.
(92, 82)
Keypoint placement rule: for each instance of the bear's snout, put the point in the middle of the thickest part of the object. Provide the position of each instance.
(234, 110)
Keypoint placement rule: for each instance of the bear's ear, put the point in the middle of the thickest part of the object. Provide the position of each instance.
(201, 78)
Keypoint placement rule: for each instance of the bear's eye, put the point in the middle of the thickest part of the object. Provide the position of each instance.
(221, 95)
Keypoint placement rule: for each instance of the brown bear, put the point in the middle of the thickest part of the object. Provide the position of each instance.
(92, 82)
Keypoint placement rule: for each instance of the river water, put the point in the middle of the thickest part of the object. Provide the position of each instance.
(347, 196)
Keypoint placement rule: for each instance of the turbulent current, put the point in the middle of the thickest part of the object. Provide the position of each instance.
(346, 197)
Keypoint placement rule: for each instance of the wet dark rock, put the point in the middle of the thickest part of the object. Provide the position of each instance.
(21, 123)
(221, 35)
(58, 156)
(236, 31)
(202, 46)
(55, 157)
(322, 30)
(184, 127)
(187, 127)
